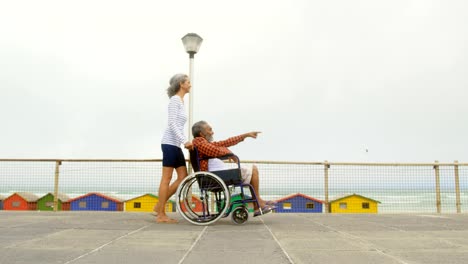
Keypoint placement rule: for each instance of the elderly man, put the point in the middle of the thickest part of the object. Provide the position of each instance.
(207, 147)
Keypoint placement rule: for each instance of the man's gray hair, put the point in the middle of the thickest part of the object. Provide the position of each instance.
(197, 128)
(174, 84)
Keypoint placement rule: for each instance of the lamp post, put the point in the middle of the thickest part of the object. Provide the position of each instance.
(192, 43)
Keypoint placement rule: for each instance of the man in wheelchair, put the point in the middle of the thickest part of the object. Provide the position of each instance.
(207, 147)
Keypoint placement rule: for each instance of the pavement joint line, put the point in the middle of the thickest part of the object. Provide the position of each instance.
(193, 245)
(277, 241)
(379, 224)
(106, 244)
(463, 247)
(36, 239)
(25, 224)
(435, 216)
(361, 240)
(431, 216)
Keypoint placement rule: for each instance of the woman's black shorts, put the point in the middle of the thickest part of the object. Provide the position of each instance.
(172, 156)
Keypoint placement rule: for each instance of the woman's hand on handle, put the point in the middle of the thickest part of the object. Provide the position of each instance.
(188, 145)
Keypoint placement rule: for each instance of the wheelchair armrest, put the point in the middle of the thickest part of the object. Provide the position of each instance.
(220, 157)
(225, 157)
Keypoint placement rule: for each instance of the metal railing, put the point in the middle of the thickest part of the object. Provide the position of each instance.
(399, 187)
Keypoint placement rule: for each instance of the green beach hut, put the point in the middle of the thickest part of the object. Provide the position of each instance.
(238, 197)
(46, 202)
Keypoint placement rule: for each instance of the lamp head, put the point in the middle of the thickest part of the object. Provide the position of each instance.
(192, 43)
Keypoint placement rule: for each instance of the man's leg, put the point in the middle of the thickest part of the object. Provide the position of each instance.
(255, 182)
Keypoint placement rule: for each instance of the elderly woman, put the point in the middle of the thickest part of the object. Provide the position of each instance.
(173, 138)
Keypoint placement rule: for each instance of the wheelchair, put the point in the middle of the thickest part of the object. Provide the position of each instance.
(204, 197)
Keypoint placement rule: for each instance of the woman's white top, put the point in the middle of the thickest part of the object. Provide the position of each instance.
(174, 133)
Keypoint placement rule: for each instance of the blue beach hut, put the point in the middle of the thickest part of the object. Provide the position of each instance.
(96, 202)
(299, 203)
(1, 202)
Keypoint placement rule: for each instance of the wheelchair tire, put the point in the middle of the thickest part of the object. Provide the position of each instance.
(240, 215)
(202, 198)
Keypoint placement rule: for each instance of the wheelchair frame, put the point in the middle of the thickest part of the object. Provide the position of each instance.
(204, 197)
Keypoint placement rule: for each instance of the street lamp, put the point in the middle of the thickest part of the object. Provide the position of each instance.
(192, 43)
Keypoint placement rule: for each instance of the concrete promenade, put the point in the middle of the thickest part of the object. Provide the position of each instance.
(122, 237)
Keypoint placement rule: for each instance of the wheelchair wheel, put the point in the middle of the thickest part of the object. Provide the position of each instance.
(202, 198)
(240, 215)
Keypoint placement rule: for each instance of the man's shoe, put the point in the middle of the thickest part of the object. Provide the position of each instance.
(265, 210)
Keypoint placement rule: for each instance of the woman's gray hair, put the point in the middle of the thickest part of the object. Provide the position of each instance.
(174, 84)
(197, 128)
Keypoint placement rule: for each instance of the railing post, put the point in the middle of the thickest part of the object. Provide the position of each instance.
(326, 167)
(437, 181)
(457, 187)
(56, 182)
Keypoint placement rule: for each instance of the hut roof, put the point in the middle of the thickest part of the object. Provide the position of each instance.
(341, 197)
(61, 196)
(29, 197)
(150, 194)
(105, 196)
(196, 197)
(301, 195)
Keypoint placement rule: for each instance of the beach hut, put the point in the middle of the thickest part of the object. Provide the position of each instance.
(20, 201)
(46, 202)
(299, 203)
(353, 203)
(1, 202)
(145, 203)
(94, 202)
(237, 197)
(196, 204)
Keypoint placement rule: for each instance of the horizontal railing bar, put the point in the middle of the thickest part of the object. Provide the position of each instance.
(83, 160)
(282, 162)
(354, 163)
(395, 164)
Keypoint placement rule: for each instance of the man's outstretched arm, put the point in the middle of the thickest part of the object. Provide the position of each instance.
(235, 140)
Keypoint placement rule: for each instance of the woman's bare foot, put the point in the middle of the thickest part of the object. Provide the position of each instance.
(166, 220)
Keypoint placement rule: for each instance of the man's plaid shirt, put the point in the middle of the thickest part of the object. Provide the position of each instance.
(214, 149)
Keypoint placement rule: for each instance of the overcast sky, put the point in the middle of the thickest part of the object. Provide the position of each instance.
(323, 80)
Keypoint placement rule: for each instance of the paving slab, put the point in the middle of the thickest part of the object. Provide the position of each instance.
(123, 237)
